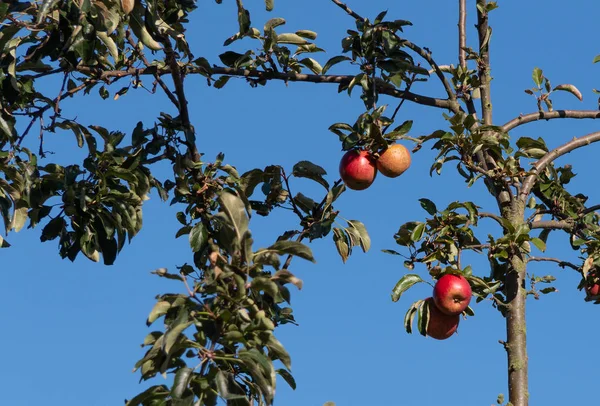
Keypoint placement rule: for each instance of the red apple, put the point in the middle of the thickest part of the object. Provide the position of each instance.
(452, 294)
(592, 285)
(593, 290)
(357, 169)
(440, 326)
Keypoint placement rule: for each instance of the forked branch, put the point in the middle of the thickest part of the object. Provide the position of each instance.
(547, 159)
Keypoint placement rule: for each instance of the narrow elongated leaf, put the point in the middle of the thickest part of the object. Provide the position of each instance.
(405, 283)
(541, 245)
(334, 61)
(423, 319)
(182, 379)
(159, 309)
(365, 240)
(235, 210)
(341, 243)
(292, 248)
(571, 89)
(538, 76)
(287, 377)
(198, 237)
(290, 38)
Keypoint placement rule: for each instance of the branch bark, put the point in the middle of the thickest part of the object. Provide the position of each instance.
(560, 262)
(347, 9)
(549, 115)
(516, 331)
(547, 159)
(427, 56)
(384, 88)
(462, 33)
(566, 225)
(484, 62)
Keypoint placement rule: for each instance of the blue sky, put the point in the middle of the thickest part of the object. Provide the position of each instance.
(71, 331)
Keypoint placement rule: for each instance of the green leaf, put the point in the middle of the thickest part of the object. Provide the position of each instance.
(405, 283)
(417, 233)
(287, 377)
(423, 317)
(290, 38)
(277, 351)
(148, 396)
(272, 23)
(183, 377)
(198, 237)
(538, 77)
(159, 309)
(292, 248)
(429, 206)
(571, 89)
(307, 34)
(596, 59)
(334, 61)
(222, 81)
(269, 4)
(365, 240)
(341, 243)
(19, 218)
(410, 315)
(311, 64)
(175, 329)
(541, 245)
(306, 169)
(235, 211)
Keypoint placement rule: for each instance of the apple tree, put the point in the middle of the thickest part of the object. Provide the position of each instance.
(218, 339)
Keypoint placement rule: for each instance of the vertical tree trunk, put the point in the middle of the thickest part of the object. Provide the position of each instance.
(516, 328)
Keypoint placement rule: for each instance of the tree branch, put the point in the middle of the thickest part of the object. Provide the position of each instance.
(158, 79)
(462, 33)
(484, 62)
(496, 217)
(383, 88)
(590, 209)
(426, 54)
(560, 263)
(347, 9)
(549, 115)
(566, 225)
(176, 74)
(547, 159)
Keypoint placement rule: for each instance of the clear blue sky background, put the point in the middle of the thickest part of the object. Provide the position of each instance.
(71, 331)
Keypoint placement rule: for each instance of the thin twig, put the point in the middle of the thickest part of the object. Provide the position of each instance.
(590, 209)
(560, 262)
(426, 54)
(287, 186)
(58, 98)
(493, 216)
(407, 89)
(45, 108)
(348, 10)
(157, 77)
(288, 261)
